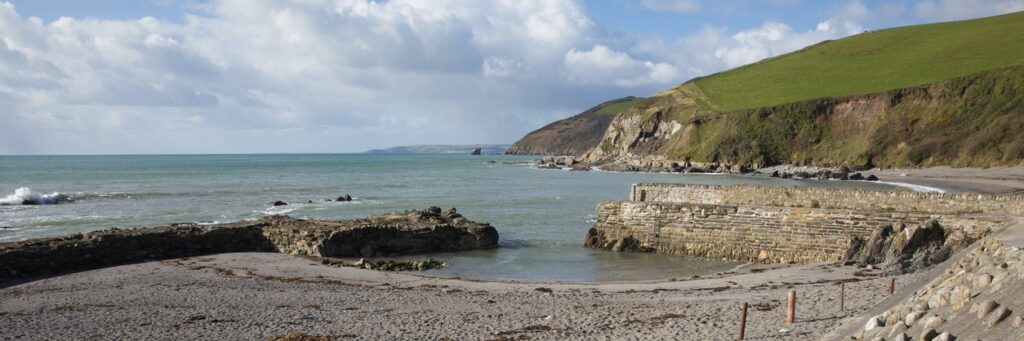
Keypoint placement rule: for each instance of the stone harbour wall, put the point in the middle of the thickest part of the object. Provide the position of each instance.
(852, 199)
(768, 234)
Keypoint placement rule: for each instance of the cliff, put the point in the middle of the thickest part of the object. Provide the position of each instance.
(918, 96)
(574, 135)
(967, 121)
(408, 232)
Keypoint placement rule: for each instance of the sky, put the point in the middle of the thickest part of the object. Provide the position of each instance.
(336, 76)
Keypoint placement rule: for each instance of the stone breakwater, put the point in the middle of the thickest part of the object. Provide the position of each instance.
(853, 199)
(979, 297)
(409, 232)
(766, 225)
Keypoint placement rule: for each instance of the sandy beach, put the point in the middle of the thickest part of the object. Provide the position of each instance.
(255, 296)
(995, 180)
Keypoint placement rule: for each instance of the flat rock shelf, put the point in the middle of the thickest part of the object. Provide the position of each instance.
(399, 233)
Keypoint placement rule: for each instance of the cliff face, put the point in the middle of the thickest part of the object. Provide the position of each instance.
(574, 135)
(975, 120)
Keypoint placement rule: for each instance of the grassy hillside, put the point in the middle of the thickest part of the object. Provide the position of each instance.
(574, 135)
(871, 62)
(976, 120)
(917, 96)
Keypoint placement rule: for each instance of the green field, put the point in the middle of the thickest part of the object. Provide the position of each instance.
(616, 108)
(872, 62)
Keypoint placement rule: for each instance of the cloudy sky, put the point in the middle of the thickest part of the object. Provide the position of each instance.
(262, 76)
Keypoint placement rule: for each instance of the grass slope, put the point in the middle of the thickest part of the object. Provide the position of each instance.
(574, 135)
(872, 62)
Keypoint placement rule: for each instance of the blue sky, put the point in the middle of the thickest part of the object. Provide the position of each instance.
(228, 76)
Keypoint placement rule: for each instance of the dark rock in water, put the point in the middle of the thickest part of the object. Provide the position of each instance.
(774, 174)
(787, 175)
(345, 197)
(388, 265)
(386, 234)
(476, 151)
(310, 201)
(278, 203)
(856, 176)
(871, 178)
(548, 166)
(490, 162)
(802, 175)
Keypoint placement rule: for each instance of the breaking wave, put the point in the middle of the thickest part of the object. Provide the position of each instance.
(26, 196)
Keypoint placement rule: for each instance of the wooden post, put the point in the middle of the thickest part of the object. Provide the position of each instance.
(743, 320)
(842, 294)
(791, 308)
(892, 285)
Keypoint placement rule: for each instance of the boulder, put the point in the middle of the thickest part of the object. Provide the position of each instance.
(856, 176)
(278, 203)
(871, 178)
(997, 316)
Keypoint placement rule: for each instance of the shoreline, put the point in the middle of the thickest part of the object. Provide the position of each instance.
(210, 297)
(994, 180)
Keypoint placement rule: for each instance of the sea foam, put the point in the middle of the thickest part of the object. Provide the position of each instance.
(25, 196)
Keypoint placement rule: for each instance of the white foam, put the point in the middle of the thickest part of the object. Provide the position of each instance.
(913, 187)
(25, 196)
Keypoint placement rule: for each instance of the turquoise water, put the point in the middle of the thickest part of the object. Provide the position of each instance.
(541, 215)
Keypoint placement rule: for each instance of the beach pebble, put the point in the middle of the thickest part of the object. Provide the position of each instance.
(997, 316)
(984, 308)
(874, 322)
(901, 337)
(913, 317)
(927, 334)
(983, 280)
(945, 336)
(933, 322)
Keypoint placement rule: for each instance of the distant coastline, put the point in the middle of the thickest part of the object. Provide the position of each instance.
(442, 149)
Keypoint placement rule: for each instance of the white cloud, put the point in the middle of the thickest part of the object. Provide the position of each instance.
(965, 9)
(349, 75)
(681, 6)
(601, 65)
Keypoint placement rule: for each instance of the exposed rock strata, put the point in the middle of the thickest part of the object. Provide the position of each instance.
(408, 232)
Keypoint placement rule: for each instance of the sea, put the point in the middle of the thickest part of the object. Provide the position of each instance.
(542, 215)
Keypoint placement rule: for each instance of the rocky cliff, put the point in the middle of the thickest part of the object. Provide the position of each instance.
(967, 121)
(574, 135)
(408, 232)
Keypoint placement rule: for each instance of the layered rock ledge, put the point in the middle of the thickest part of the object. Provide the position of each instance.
(409, 232)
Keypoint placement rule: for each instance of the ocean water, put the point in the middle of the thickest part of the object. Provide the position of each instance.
(541, 215)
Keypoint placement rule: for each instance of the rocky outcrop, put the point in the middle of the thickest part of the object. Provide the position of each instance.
(574, 135)
(978, 297)
(409, 232)
(903, 248)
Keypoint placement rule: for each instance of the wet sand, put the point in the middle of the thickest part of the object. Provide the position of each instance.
(996, 180)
